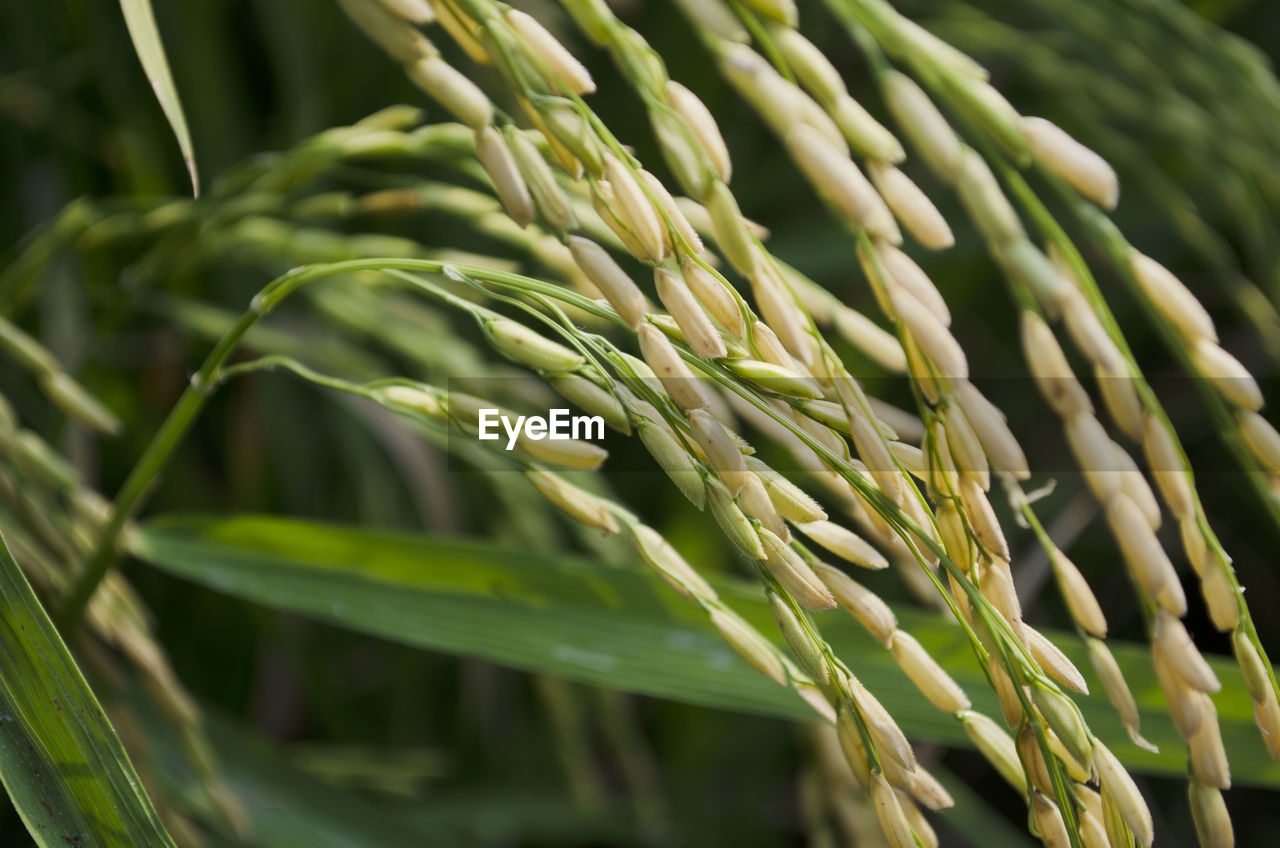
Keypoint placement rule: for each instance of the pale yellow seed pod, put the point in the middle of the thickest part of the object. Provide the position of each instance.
(776, 378)
(1087, 331)
(934, 339)
(878, 344)
(1114, 684)
(844, 543)
(1209, 812)
(1092, 832)
(1171, 298)
(1063, 717)
(1266, 713)
(1208, 756)
(926, 789)
(834, 175)
(996, 746)
(943, 476)
(1147, 560)
(452, 90)
(803, 647)
(893, 822)
(1053, 661)
(905, 272)
(1049, 366)
(982, 196)
(783, 11)
(732, 235)
(592, 399)
(992, 430)
(1231, 379)
(1033, 760)
(634, 208)
(1174, 643)
(867, 135)
(1256, 677)
(911, 206)
(550, 199)
(672, 457)
(790, 500)
(608, 276)
(1167, 468)
(1083, 169)
(996, 584)
(929, 677)
(570, 453)
(748, 642)
(955, 538)
(873, 451)
(865, 606)
(681, 151)
(853, 749)
(1261, 438)
(413, 400)
(794, 573)
(810, 65)
(1221, 599)
(920, 827)
(756, 503)
(925, 126)
(1193, 543)
(672, 567)
(735, 524)
(671, 210)
(1006, 692)
(982, 518)
(500, 165)
(568, 133)
(574, 502)
(779, 308)
(390, 32)
(769, 346)
(910, 457)
(966, 449)
(703, 125)
(1121, 400)
(1080, 600)
(722, 452)
(716, 297)
(561, 64)
(1187, 706)
(1048, 820)
(685, 389)
(463, 33)
(1133, 484)
(680, 302)
(522, 344)
(890, 742)
(828, 438)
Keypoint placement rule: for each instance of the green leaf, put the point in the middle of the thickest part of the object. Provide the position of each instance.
(621, 628)
(287, 808)
(61, 763)
(141, 22)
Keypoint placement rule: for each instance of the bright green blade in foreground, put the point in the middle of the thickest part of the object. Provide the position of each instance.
(621, 628)
(60, 761)
(141, 22)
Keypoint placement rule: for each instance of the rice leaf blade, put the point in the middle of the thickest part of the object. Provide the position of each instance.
(60, 761)
(141, 22)
(616, 627)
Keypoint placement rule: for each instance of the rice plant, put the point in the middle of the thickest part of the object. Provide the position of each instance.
(708, 422)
